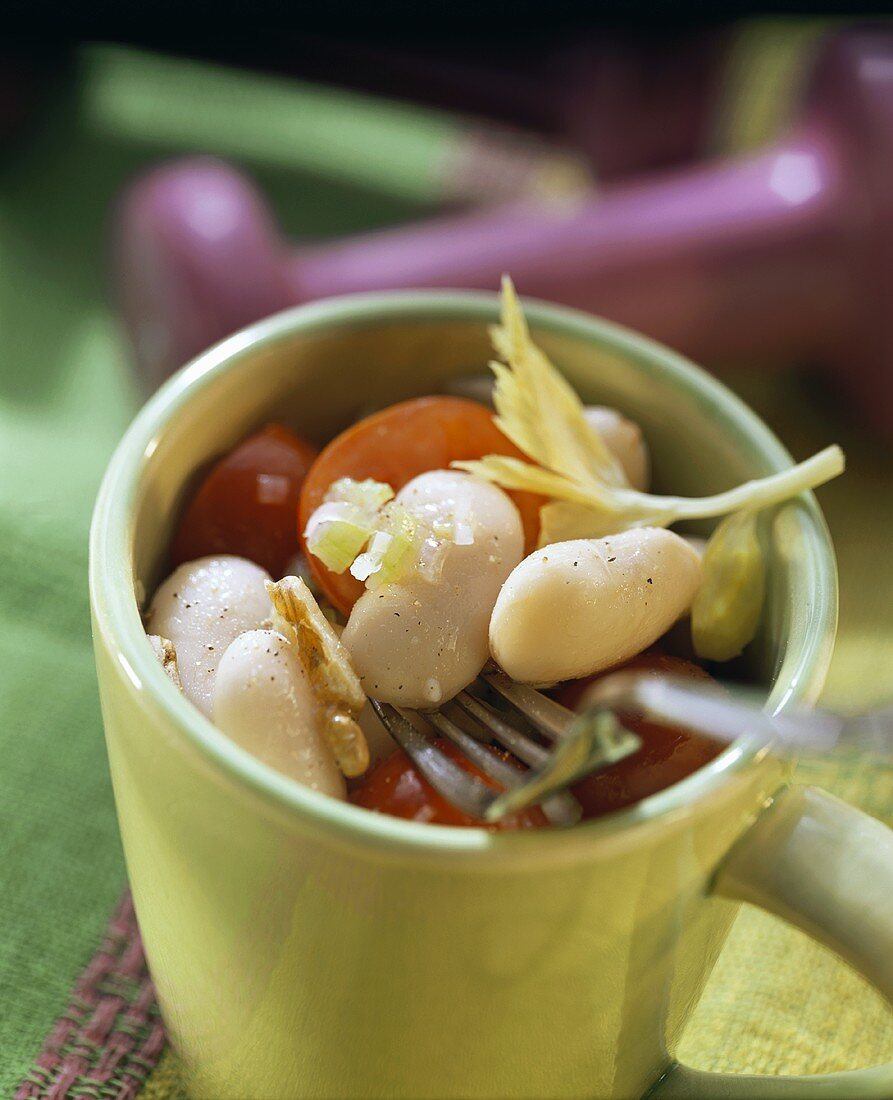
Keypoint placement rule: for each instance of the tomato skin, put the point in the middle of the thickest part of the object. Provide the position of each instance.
(394, 787)
(396, 445)
(234, 512)
(667, 755)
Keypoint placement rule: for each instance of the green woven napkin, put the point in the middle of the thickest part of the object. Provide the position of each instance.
(65, 398)
(61, 862)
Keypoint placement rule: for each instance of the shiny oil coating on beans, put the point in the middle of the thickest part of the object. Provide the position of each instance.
(418, 642)
(575, 608)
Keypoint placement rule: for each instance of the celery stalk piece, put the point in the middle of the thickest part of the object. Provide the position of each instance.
(589, 496)
(342, 525)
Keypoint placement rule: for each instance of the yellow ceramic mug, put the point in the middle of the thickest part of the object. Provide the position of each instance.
(303, 947)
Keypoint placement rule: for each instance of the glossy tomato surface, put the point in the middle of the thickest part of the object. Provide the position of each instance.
(396, 445)
(247, 501)
(667, 755)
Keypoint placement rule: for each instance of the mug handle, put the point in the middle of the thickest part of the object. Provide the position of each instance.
(827, 868)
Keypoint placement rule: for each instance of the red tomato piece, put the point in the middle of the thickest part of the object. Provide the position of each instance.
(396, 445)
(246, 503)
(667, 755)
(394, 787)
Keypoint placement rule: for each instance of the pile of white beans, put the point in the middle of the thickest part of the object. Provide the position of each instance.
(564, 612)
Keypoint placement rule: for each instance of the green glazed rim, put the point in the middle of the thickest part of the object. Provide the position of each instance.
(117, 617)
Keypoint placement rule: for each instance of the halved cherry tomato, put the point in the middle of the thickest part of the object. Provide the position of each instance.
(246, 503)
(396, 445)
(667, 755)
(394, 787)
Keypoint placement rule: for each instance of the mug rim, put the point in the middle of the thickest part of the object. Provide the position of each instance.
(116, 613)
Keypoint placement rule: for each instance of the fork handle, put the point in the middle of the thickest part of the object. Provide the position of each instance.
(828, 869)
(725, 714)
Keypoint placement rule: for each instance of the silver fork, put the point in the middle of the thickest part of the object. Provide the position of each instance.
(581, 744)
(575, 746)
(726, 711)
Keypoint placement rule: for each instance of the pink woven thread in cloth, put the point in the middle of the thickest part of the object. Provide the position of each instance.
(110, 1037)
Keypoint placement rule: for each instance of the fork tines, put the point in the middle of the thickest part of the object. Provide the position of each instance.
(516, 788)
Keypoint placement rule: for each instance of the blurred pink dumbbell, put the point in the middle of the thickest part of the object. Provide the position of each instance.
(786, 254)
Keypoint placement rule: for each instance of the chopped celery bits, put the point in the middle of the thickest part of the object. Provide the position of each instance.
(391, 549)
(360, 527)
(368, 494)
(343, 524)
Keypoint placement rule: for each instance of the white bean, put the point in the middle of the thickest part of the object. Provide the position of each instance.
(201, 607)
(418, 643)
(575, 608)
(623, 438)
(263, 701)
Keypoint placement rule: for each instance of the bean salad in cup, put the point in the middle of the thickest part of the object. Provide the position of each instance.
(433, 538)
